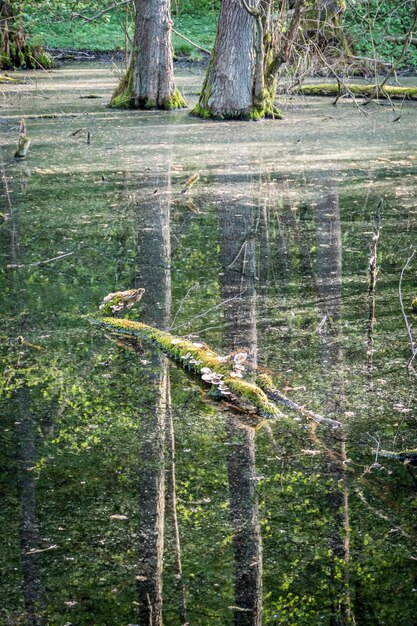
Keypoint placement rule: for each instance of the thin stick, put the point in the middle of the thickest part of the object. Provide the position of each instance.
(277, 396)
(106, 10)
(182, 304)
(238, 297)
(407, 323)
(196, 45)
(381, 515)
(55, 258)
(172, 502)
(373, 273)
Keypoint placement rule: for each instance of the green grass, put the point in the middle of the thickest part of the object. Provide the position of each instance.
(108, 34)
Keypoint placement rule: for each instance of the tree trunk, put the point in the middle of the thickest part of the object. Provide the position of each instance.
(15, 52)
(228, 89)
(25, 426)
(29, 535)
(149, 82)
(233, 87)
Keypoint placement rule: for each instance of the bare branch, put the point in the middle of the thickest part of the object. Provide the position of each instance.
(407, 43)
(112, 7)
(283, 54)
(251, 10)
(55, 258)
(407, 323)
(193, 43)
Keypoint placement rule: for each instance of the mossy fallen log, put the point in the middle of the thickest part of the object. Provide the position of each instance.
(4, 79)
(388, 92)
(219, 373)
(222, 375)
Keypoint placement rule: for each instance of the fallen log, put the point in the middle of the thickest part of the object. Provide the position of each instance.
(219, 373)
(222, 375)
(386, 92)
(4, 78)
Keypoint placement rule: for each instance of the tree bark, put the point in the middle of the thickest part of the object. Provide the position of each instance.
(233, 87)
(149, 82)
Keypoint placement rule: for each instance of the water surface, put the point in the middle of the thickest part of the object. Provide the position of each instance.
(130, 497)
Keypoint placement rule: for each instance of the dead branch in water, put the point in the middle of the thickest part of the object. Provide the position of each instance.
(404, 314)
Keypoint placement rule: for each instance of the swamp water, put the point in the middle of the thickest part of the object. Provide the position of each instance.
(128, 494)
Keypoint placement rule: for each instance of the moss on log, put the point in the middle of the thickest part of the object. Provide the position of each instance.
(389, 92)
(223, 375)
(199, 359)
(4, 79)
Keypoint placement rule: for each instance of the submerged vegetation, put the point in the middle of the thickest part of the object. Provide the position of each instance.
(179, 473)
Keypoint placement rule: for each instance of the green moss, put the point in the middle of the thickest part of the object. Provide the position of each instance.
(246, 397)
(367, 91)
(200, 111)
(177, 101)
(256, 113)
(42, 58)
(123, 97)
(30, 57)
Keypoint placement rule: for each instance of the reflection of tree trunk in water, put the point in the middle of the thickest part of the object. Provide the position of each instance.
(156, 425)
(154, 276)
(239, 266)
(172, 508)
(329, 284)
(29, 536)
(25, 439)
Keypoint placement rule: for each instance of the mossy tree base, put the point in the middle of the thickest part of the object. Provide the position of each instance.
(252, 115)
(389, 92)
(14, 55)
(124, 97)
(264, 110)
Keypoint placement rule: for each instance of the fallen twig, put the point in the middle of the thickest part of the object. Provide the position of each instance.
(407, 323)
(265, 384)
(55, 258)
(193, 43)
